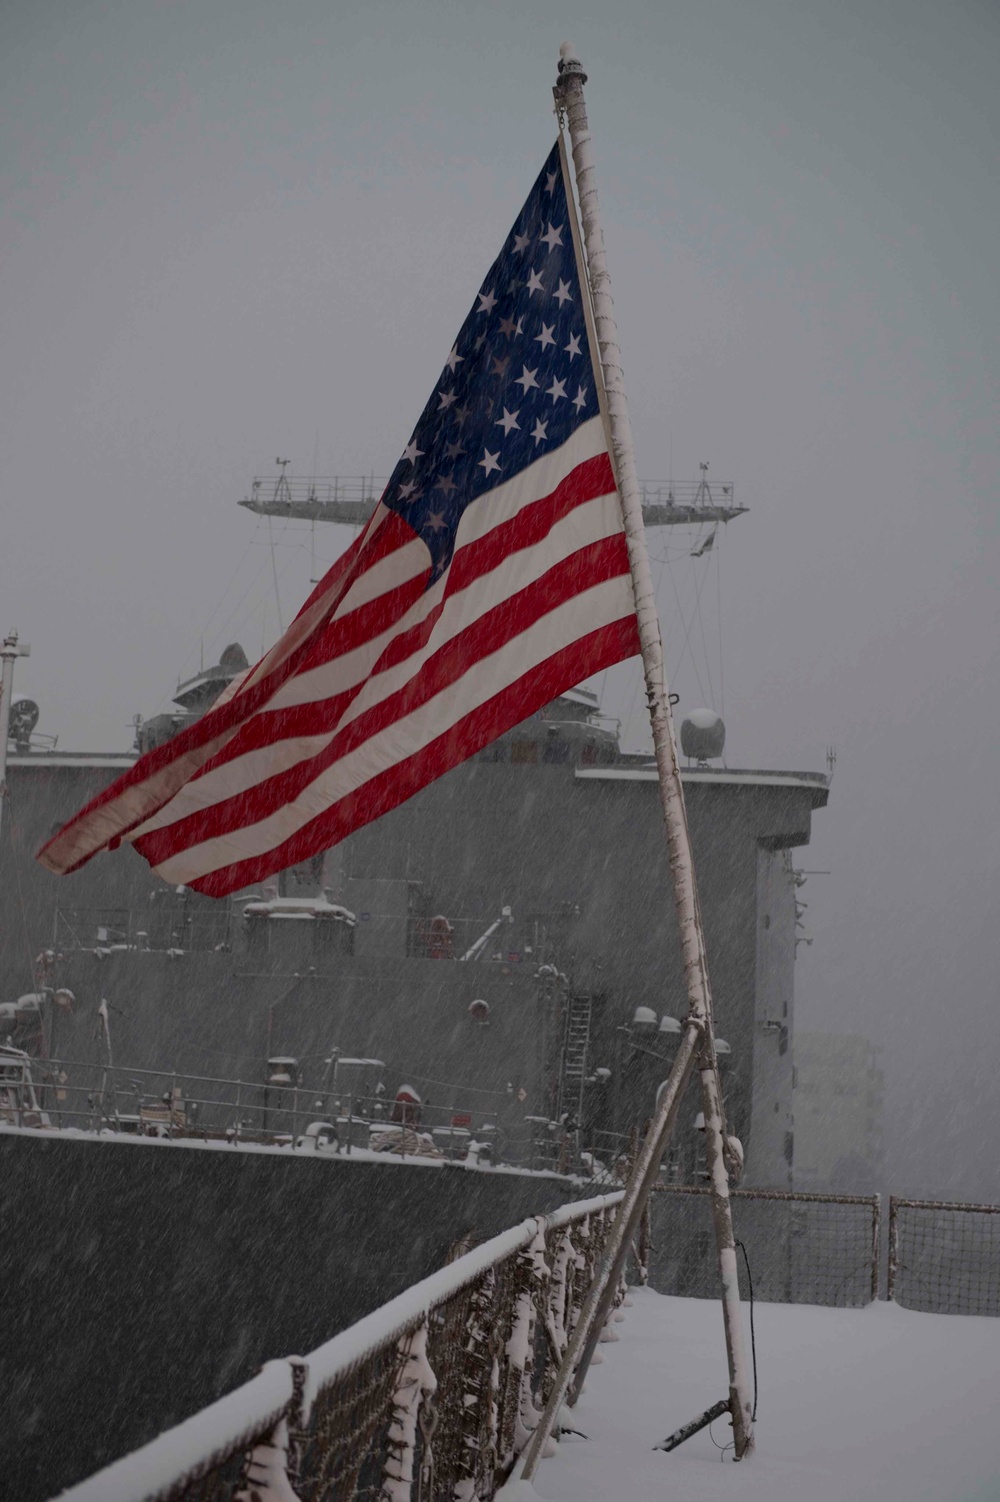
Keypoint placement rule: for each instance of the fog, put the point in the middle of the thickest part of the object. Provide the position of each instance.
(237, 231)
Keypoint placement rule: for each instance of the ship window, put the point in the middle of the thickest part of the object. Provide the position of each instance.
(588, 756)
(556, 750)
(524, 753)
(496, 752)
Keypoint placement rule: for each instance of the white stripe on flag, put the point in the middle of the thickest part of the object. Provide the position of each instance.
(591, 522)
(602, 605)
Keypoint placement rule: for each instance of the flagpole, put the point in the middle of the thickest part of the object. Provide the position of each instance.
(698, 1033)
(571, 103)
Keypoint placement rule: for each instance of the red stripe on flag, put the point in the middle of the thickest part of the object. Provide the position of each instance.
(454, 660)
(168, 767)
(161, 773)
(587, 655)
(586, 483)
(385, 540)
(529, 526)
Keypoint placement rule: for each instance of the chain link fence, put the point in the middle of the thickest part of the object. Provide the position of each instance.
(433, 1395)
(437, 1393)
(801, 1248)
(944, 1258)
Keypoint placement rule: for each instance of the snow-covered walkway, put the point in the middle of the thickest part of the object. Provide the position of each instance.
(854, 1404)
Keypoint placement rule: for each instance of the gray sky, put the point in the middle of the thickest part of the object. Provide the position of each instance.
(234, 231)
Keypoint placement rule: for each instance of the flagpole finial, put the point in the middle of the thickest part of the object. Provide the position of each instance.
(570, 64)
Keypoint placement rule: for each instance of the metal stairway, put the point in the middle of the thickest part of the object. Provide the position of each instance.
(576, 1046)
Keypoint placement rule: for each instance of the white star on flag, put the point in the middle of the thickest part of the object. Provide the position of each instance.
(487, 302)
(546, 337)
(526, 379)
(556, 390)
(562, 294)
(489, 462)
(552, 237)
(411, 451)
(535, 282)
(507, 421)
(540, 431)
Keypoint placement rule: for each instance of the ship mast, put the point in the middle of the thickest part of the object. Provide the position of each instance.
(9, 652)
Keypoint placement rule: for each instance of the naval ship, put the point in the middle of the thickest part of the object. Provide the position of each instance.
(229, 1129)
(490, 971)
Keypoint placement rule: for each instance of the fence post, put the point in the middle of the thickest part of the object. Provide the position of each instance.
(645, 1245)
(876, 1245)
(266, 1470)
(297, 1417)
(893, 1248)
(532, 1272)
(476, 1441)
(559, 1295)
(416, 1383)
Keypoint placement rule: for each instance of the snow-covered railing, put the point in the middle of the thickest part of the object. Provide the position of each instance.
(433, 1395)
(330, 1117)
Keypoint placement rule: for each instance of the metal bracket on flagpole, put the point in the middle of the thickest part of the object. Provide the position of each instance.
(699, 1033)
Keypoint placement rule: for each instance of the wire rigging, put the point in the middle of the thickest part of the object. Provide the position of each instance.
(687, 638)
(219, 603)
(274, 575)
(701, 628)
(718, 606)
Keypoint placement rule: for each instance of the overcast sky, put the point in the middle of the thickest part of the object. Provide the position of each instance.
(235, 231)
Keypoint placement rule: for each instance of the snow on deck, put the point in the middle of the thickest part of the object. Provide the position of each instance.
(855, 1404)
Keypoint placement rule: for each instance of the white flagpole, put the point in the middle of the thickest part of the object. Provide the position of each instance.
(699, 1028)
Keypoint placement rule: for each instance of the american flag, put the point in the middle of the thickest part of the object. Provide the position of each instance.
(492, 576)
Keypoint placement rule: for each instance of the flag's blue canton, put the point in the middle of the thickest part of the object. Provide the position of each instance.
(517, 382)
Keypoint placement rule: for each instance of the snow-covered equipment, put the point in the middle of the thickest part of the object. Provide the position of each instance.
(694, 1426)
(703, 736)
(19, 1103)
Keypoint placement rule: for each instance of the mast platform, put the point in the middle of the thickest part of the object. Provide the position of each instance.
(350, 500)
